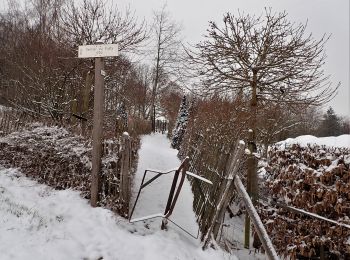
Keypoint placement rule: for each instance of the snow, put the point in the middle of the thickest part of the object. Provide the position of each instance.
(199, 177)
(147, 217)
(161, 118)
(4, 108)
(347, 159)
(319, 217)
(241, 142)
(57, 137)
(155, 153)
(37, 222)
(330, 141)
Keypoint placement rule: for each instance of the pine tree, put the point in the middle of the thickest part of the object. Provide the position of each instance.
(181, 124)
(331, 124)
(122, 120)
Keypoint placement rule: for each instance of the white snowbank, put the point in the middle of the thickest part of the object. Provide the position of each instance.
(330, 141)
(40, 223)
(37, 222)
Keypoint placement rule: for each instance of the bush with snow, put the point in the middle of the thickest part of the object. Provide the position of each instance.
(316, 179)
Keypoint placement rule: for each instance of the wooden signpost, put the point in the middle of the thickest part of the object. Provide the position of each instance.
(97, 51)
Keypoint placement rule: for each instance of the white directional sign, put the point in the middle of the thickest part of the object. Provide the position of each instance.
(100, 50)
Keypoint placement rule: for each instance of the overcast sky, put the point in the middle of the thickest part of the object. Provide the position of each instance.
(324, 16)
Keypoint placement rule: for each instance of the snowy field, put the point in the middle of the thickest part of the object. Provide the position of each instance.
(37, 222)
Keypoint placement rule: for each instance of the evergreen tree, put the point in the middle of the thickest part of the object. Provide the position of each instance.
(331, 124)
(180, 125)
(122, 119)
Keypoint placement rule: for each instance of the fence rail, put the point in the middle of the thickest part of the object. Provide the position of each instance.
(11, 121)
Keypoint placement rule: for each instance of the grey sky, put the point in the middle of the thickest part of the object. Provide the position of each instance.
(324, 16)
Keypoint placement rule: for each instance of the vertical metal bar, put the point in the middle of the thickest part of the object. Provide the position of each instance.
(138, 195)
(173, 203)
(171, 195)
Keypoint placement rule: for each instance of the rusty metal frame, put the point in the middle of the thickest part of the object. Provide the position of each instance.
(172, 197)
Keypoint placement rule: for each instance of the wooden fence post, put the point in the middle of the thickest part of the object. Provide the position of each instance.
(260, 229)
(125, 173)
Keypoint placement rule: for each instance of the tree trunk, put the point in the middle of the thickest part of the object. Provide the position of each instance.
(252, 178)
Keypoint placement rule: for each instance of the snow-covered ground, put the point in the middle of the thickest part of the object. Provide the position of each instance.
(37, 222)
(329, 141)
(156, 154)
(3, 108)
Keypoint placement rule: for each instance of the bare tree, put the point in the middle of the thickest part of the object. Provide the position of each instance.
(38, 50)
(275, 121)
(94, 21)
(266, 57)
(167, 46)
(30, 63)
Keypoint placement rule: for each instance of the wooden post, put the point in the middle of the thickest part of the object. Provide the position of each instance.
(250, 173)
(97, 130)
(260, 229)
(125, 173)
(252, 178)
(97, 51)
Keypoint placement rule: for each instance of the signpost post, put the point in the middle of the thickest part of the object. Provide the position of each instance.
(98, 52)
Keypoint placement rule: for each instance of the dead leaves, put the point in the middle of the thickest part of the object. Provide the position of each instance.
(315, 179)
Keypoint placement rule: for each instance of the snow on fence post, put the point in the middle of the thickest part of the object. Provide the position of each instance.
(125, 173)
(260, 229)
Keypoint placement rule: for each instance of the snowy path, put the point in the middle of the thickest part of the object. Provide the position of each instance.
(37, 222)
(156, 154)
